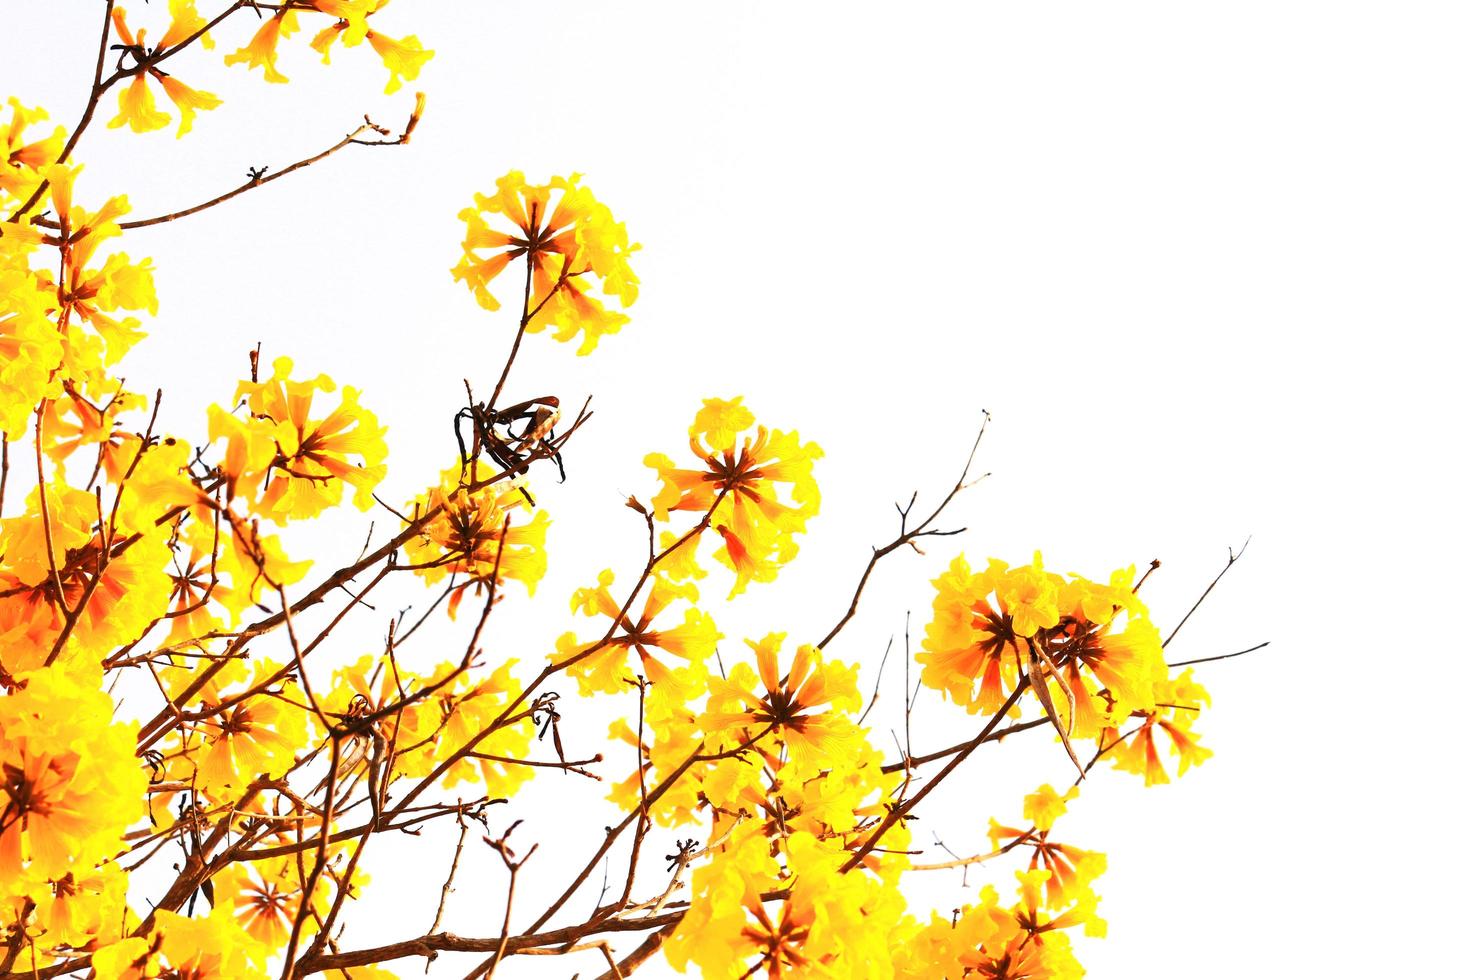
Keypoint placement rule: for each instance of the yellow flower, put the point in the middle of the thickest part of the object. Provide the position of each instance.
(474, 534)
(188, 100)
(25, 157)
(711, 934)
(1044, 806)
(199, 585)
(213, 948)
(1108, 632)
(741, 492)
(990, 626)
(953, 946)
(1040, 927)
(440, 725)
(30, 348)
(368, 685)
(403, 59)
(115, 593)
(671, 734)
(264, 897)
(256, 563)
(74, 421)
(812, 738)
(827, 924)
(606, 670)
(136, 108)
(780, 942)
(90, 295)
(1072, 870)
(69, 781)
(681, 561)
(1175, 705)
(720, 422)
(261, 51)
(83, 906)
(249, 452)
(1029, 593)
(971, 650)
(313, 458)
(350, 27)
(568, 237)
(257, 736)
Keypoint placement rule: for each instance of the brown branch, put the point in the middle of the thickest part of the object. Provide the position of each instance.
(156, 725)
(448, 942)
(1223, 656)
(433, 812)
(897, 813)
(878, 682)
(304, 910)
(1235, 556)
(507, 856)
(93, 98)
(464, 829)
(614, 832)
(639, 956)
(17, 936)
(553, 668)
(995, 736)
(515, 347)
(260, 181)
(907, 536)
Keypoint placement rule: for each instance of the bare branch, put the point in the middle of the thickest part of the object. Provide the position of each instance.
(907, 536)
(1235, 556)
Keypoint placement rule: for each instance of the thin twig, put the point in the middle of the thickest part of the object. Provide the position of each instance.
(1235, 556)
(1223, 656)
(907, 536)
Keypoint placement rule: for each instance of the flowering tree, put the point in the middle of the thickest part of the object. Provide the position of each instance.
(220, 831)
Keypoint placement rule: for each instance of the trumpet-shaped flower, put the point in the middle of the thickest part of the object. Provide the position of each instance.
(1092, 645)
(403, 58)
(787, 705)
(459, 710)
(756, 498)
(261, 51)
(1072, 869)
(23, 157)
(65, 579)
(30, 347)
(603, 665)
(136, 108)
(568, 237)
(1176, 703)
(69, 782)
(86, 294)
(313, 459)
(213, 948)
(477, 535)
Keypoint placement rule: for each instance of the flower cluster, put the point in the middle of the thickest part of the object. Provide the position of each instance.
(755, 488)
(567, 238)
(476, 537)
(179, 705)
(287, 464)
(69, 784)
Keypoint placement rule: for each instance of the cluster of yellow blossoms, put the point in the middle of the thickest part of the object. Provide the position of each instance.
(344, 20)
(1088, 651)
(566, 237)
(740, 493)
(141, 570)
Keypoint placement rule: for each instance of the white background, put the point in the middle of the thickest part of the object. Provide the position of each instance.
(1203, 263)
